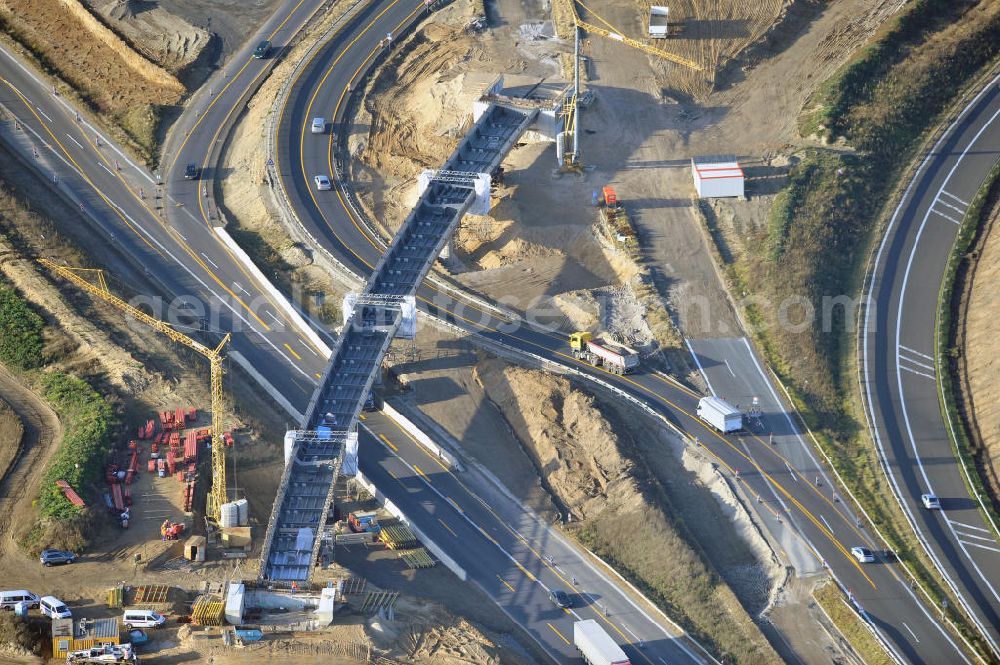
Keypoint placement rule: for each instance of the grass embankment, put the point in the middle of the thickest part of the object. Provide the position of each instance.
(956, 284)
(20, 332)
(851, 626)
(812, 252)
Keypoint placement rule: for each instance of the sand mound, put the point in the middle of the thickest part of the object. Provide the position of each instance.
(161, 36)
(566, 435)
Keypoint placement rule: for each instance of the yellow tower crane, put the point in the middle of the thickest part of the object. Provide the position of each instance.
(218, 495)
(570, 110)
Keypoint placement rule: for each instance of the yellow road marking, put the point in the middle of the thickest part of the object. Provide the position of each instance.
(292, 351)
(507, 584)
(419, 470)
(320, 376)
(389, 443)
(455, 504)
(447, 527)
(556, 631)
(524, 570)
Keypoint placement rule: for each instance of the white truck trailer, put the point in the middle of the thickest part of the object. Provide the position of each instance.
(612, 357)
(596, 646)
(659, 26)
(720, 414)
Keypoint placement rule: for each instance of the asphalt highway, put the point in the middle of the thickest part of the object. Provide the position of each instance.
(900, 376)
(827, 527)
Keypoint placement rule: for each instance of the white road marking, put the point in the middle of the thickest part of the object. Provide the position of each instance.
(240, 287)
(826, 523)
(965, 203)
(969, 535)
(700, 368)
(629, 630)
(44, 113)
(70, 137)
(969, 526)
(913, 371)
(948, 217)
(726, 360)
(106, 168)
(982, 547)
(922, 355)
(180, 234)
(276, 319)
(214, 265)
(948, 205)
(916, 639)
(918, 364)
(793, 474)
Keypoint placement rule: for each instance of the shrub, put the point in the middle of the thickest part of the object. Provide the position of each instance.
(20, 332)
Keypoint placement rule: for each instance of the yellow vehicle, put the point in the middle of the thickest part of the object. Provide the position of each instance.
(612, 357)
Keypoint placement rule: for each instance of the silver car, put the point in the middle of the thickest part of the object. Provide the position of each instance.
(322, 182)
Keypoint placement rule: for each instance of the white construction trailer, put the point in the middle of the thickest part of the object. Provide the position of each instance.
(717, 178)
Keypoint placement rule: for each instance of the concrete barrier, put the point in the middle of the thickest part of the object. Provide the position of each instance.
(418, 435)
(282, 401)
(278, 297)
(395, 511)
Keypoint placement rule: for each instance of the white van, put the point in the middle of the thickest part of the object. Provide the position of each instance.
(53, 608)
(318, 126)
(142, 619)
(8, 599)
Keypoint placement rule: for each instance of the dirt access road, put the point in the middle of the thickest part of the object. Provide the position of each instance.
(42, 431)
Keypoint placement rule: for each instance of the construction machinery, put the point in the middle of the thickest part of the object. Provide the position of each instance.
(612, 357)
(615, 219)
(571, 108)
(217, 496)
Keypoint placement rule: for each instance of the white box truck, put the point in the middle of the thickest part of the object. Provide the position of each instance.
(720, 414)
(596, 646)
(659, 26)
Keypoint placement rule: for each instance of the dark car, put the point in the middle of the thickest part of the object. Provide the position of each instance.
(56, 557)
(190, 172)
(560, 598)
(263, 50)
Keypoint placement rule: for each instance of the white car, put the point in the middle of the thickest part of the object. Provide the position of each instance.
(930, 501)
(53, 608)
(322, 182)
(863, 554)
(318, 126)
(142, 619)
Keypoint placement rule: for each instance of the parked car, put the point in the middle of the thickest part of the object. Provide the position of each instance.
(322, 182)
(56, 557)
(53, 608)
(318, 125)
(8, 599)
(263, 50)
(863, 554)
(142, 619)
(191, 171)
(560, 598)
(930, 501)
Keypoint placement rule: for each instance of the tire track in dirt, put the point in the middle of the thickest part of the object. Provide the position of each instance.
(42, 430)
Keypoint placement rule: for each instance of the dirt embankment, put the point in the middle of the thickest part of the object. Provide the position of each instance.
(981, 362)
(590, 466)
(162, 37)
(124, 87)
(11, 431)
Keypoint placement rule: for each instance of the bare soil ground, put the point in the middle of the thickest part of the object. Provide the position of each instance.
(982, 347)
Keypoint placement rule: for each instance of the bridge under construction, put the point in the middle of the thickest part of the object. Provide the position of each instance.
(315, 454)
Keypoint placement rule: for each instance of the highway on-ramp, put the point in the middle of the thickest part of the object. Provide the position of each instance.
(901, 378)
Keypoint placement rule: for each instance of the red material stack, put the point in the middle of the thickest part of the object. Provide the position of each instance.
(192, 414)
(133, 467)
(191, 447)
(179, 418)
(171, 462)
(204, 435)
(228, 438)
(151, 466)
